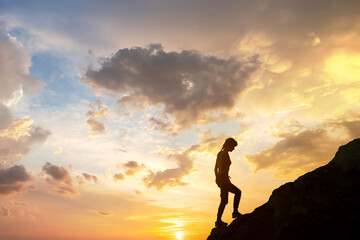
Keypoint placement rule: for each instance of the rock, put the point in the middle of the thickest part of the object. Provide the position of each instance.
(322, 204)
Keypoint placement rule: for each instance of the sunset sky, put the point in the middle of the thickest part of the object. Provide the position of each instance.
(112, 112)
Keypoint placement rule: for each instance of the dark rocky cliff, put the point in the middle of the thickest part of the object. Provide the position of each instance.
(322, 204)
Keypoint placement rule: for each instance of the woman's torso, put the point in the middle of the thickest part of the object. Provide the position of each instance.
(223, 163)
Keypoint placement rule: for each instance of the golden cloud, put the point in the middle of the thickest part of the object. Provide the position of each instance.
(17, 129)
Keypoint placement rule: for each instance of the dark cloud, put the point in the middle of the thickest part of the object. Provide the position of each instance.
(60, 178)
(13, 179)
(56, 172)
(297, 153)
(132, 167)
(188, 84)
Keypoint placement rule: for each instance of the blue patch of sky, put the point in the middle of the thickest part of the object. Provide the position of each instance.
(58, 72)
(62, 83)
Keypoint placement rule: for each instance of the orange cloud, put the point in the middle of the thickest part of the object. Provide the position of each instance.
(17, 129)
(4, 211)
(296, 153)
(132, 167)
(173, 176)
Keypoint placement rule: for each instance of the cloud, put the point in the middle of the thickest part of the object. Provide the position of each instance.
(302, 148)
(353, 128)
(90, 177)
(4, 211)
(308, 52)
(17, 129)
(60, 178)
(57, 173)
(97, 128)
(17, 136)
(15, 209)
(6, 117)
(102, 213)
(296, 153)
(286, 128)
(188, 85)
(210, 143)
(18, 139)
(13, 179)
(98, 109)
(14, 70)
(80, 180)
(58, 151)
(132, 167)
(350, 122)
(173, 176)
(118, 177)
(86, 177)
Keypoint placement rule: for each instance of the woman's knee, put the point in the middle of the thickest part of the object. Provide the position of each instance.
(224, 202)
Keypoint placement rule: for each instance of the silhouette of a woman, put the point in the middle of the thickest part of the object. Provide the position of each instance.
(222, 167)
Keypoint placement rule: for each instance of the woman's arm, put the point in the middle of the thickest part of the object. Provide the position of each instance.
(216, 166)
(219, 166)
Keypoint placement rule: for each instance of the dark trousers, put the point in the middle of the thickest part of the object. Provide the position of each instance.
(226, 186)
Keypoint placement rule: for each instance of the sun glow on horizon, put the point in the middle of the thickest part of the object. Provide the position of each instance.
(179, 235)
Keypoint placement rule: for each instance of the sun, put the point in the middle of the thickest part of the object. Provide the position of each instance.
(179, 235)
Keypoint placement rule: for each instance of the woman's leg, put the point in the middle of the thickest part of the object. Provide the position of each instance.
(237, 196)
(224, 194)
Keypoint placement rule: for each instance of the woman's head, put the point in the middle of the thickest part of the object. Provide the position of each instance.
(229, 144)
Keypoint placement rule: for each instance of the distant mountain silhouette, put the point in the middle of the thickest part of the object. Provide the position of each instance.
(322, 204)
